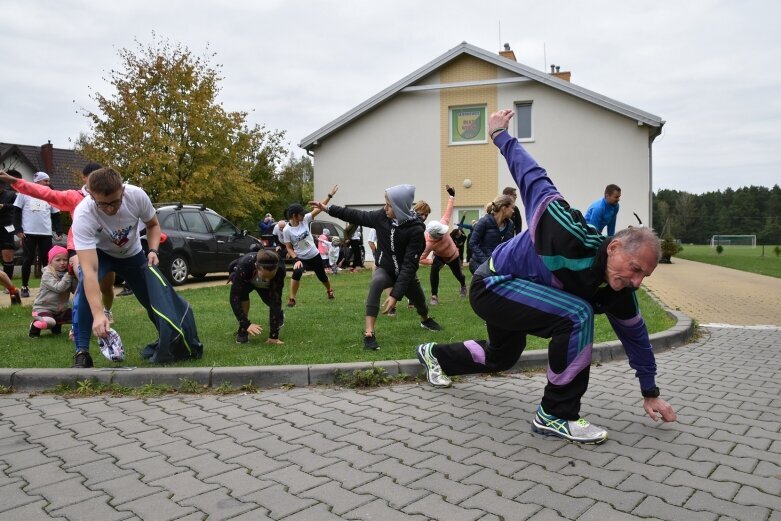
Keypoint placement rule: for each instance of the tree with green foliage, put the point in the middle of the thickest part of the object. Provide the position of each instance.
(294, 183)
(164, 130)
(694, 218)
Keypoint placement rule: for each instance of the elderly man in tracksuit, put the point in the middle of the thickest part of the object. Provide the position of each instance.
(548, 282)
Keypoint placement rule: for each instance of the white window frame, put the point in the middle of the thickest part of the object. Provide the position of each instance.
(530, 104)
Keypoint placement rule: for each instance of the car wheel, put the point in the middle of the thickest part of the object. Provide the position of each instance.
(178, 270)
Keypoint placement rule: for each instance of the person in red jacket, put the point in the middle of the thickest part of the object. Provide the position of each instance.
(445, 251)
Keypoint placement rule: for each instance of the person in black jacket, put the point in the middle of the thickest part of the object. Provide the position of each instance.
(516, 217)
(7, 212)
(400, 241)
(263, 272)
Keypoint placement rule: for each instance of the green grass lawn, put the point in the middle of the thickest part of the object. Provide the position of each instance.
(316, 331)
(744, 258)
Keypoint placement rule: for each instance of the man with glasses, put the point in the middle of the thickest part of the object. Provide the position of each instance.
(106, 229)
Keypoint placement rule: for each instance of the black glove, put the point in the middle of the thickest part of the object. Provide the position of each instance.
(451, 191)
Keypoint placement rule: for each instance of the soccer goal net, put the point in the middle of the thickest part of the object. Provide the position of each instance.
(734, 240)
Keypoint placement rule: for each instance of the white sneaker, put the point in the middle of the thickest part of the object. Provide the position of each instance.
(579, 431)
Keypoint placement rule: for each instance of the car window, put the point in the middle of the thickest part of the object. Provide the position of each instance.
(220, 225)
(192, 222)
(169, 222)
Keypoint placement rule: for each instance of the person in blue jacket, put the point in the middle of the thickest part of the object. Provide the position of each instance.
(603, 212)
(548, 282)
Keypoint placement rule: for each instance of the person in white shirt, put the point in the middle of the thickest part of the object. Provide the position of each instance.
(278, 233)
(35, 219)
(301, 247)
(106, 229)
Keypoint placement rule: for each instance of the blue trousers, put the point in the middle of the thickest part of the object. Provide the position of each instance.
(132, 270)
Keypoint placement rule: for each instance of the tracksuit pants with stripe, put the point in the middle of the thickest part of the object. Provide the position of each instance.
(513, 308)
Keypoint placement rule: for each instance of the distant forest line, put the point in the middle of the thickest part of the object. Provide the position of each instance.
(695, 218)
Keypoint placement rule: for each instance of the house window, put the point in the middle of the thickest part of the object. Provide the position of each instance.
(467, 125)
(469, 215)
(523, 118)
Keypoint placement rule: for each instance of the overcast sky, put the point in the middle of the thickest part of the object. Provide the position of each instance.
(710, 69)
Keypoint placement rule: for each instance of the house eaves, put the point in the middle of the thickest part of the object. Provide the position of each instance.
(524, 72)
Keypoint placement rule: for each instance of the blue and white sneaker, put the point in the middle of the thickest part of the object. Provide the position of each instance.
(434, 373)
(578, 431)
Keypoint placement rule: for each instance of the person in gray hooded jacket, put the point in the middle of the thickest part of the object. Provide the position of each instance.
(400, 241)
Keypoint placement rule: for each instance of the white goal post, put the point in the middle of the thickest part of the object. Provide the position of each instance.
(734, 240)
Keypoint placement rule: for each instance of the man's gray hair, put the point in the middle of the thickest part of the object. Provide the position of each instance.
(635, 238)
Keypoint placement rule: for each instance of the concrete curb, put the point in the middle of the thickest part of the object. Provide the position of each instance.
(30, 380)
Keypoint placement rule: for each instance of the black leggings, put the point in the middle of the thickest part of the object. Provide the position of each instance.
(314, 264)
(40, 244)
(455, 267)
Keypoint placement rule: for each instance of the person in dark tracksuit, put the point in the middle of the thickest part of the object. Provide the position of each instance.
(400, 241)
(548, 282)
(264, 273)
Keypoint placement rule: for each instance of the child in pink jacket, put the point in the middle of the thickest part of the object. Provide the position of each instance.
(445, 251)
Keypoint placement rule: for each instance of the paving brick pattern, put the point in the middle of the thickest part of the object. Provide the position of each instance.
(411, 452)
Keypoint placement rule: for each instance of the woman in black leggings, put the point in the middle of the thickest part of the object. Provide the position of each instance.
(301, 247)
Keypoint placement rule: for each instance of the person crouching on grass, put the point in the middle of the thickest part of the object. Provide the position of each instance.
(265, 273)
(51, 308)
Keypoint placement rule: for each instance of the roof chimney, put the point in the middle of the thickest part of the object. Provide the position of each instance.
(47, 155)
(555, 70)
(507, 53)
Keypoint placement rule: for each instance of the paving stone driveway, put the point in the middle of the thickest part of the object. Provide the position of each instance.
(411, 451)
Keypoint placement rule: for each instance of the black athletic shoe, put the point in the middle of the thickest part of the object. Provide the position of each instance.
(16, 299)
(82, 360)
(125, 292)
(33, 332)
(25, 291)
(242, 337)
(57, 329)
(370, 342)
(148, 352)
(430, 324)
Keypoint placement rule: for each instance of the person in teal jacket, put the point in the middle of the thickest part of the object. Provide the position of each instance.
(603, 212)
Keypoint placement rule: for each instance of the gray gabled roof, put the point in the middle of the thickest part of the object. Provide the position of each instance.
(490, 57)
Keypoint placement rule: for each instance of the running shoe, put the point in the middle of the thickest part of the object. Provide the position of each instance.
(434, 373)
(434, 300)
(578, 431)
(25, 291)
(370, 342)
(82, 360)
(430, 324)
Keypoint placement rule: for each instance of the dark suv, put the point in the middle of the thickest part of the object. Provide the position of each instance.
(198, 241)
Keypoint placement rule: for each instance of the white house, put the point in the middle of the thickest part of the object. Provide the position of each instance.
(430, 129)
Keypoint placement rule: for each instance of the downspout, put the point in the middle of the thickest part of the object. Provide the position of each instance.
(656, 132)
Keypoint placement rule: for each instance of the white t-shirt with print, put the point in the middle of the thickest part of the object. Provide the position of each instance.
(116, 235)
(36, 215)
(279, 234)
(301, 238)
